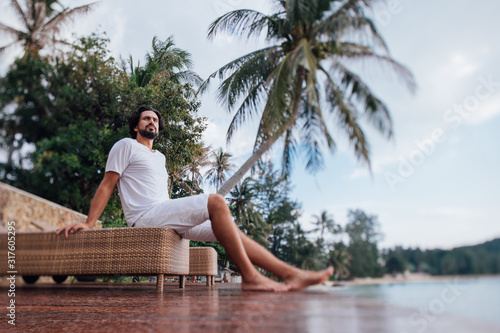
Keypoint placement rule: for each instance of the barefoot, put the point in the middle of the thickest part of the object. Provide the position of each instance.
(262, 283)
(301, 278)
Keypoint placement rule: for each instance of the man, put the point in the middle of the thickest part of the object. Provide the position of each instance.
(141, 177)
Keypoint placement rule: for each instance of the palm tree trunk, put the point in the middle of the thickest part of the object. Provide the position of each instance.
(238, 175)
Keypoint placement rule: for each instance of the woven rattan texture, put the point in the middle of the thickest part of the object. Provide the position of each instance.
(202, 261)
(117, 251)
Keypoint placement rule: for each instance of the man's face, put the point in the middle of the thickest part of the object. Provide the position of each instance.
(148, 125)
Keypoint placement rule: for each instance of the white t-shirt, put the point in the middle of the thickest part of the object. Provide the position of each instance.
(143, 177)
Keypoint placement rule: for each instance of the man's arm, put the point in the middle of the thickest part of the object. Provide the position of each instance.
(99, 202)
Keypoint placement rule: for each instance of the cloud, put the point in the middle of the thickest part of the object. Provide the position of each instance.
(452, 213)
(487, 110)
(214, 135)
(460, 66)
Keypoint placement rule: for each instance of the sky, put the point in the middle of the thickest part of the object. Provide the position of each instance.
(435, 184)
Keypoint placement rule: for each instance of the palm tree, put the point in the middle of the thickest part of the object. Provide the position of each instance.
(165, 57)
(219, 167)
(41, 24)
(303, 77)
(325, 222)
(245, 212)
(200, 161)
(340, 259)
(189, 176)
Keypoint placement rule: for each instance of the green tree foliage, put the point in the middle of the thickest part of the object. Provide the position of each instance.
(63, 114)
(395, 264)
(278, 210)
(298, 250)
(340, 259)
(478, 259)
(363, 233)
(246, 213)
(62, 110)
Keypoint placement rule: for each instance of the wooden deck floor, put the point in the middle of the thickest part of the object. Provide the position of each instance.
(46, 307)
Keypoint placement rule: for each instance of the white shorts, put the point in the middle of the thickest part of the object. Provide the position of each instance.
(188, 216)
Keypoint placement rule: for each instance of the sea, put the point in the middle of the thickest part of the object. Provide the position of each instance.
(475, 298)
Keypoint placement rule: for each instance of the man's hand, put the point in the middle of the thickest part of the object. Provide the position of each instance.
(72, 228)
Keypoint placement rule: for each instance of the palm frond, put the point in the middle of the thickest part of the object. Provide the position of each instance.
(376, 111)
(309, 62)
(9, 30)
(5, 47)
(349, 18)
(248, 107)
(40, 15)
(352, 51)
(277, 108)
(242, 22)
(252, 71)
(300, 12)
(169, 57)
(314, 134)
(346, 115)
(234, 65)
(19, 12)
(189, 77)
(66, 15)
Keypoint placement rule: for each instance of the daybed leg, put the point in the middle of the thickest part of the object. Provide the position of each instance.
(212, 278)
(209, 280)
(159, 283)
(182, 281)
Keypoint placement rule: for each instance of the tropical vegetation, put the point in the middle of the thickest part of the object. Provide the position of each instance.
(59, 116)
(477, 259)
(219, 167)
(165, 57)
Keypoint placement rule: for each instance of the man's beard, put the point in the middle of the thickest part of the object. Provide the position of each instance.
(148, 134)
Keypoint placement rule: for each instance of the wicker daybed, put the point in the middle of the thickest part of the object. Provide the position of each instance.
(150, 251)
(203, 262)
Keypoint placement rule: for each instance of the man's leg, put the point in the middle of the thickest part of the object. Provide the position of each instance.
(294, 277)
(228, 235)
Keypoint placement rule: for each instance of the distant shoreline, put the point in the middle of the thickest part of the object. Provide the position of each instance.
(408, 278)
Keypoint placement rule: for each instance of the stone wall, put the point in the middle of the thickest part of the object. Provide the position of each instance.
(31, 212)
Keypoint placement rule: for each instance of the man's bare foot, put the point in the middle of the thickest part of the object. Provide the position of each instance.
(300, 279)
(262, 283)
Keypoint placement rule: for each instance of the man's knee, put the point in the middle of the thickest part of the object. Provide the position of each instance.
(216, 201)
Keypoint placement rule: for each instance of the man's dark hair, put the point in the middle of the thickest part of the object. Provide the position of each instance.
(133, 120)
